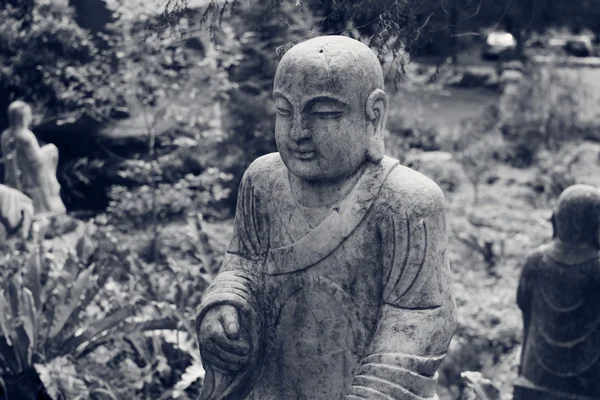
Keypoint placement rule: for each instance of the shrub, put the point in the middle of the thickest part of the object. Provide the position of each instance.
(49, 61)
(477, 146)
(541, 112)
(51, 316)
(405, 136)
(136, 207)
(553, 174)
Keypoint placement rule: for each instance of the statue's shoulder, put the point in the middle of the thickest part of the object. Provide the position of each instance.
(265, 170)
(536, 259)
(405, 186)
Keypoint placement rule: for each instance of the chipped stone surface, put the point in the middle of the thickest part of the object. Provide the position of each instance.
(29, 167)
(559, 295)
(336, 284)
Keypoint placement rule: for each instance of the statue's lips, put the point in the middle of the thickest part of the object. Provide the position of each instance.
(304, 154)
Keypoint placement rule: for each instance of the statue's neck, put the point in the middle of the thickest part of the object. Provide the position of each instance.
(574, 246)
(315, 194)
(18, 129)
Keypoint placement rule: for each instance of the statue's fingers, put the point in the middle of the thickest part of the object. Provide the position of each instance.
(216, 347)
(230, 323)
(238, 347)
(218, 362)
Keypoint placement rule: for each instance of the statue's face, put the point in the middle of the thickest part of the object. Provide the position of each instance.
(321, 120)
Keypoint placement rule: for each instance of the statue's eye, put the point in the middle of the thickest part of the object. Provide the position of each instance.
(283, 111)
(328, 114)
(327, 110)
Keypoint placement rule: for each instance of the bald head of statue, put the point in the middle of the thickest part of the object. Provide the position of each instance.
(576, 218)
(331, 108)
(19, 115)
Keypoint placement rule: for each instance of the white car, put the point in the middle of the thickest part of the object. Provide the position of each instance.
(499, 44)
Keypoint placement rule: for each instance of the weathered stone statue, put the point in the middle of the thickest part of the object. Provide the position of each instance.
(559, 295)
(16, 213)
(29, 167)
(336, 284)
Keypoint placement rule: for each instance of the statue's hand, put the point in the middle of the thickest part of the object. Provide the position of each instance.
(222, 342)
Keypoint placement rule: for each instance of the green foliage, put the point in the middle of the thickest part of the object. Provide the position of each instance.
(404, 136)
(252, 45)
(46, 319)
(49, 61)
(541, 112)
(553, 174)
(134, 207)
(477, 146)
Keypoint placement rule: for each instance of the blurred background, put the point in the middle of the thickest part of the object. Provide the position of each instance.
(158, 107)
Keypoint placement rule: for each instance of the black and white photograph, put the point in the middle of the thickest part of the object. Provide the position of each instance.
(299, 200)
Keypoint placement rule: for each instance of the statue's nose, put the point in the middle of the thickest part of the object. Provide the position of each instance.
(298, 134)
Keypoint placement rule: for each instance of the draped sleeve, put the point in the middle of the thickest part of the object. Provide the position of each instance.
(238, 282)
(417, 315)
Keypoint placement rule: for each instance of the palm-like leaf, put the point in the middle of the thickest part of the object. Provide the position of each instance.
(31, 277)
(65, 311)
(29, 321)
(125, 329)
(96, 329)
(483, 387)
(5, 325)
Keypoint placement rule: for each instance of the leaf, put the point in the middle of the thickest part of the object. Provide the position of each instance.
(22, 345)
(86, 246)
(126, 329)
(101, 278)
(192, 374)
(29, 319)
(70, 267)
(9, 357)
(65, 310)
(44, 374)
(4, 323)
(31, 277)
(483, 387)
(14, 289)
(61, 379)
(19, 338)
(3, 386)
(105, 392)
(107, 323)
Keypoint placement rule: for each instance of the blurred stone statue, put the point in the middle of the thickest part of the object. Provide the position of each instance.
(559, 295)
(29, 167)
(336, 284)
(16, 214)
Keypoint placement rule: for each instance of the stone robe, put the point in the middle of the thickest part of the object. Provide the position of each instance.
(559, 295)
(356, 306)
(32, 169)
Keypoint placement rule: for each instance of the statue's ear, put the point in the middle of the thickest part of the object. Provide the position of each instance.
(554, 231)
(377, 112)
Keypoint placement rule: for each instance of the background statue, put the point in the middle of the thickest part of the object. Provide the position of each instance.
(16, 214)
(559, 295)
(29, 167)
(336, 283)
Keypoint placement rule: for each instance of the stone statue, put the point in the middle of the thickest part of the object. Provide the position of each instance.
(29, 167)
(16, 214)
(559, 295)
(336, 283)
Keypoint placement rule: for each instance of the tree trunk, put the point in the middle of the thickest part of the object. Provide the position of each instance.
(453, 25)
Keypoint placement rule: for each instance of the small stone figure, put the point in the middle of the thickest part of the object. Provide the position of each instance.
(27, 167)
(336, 284)
(559, 295)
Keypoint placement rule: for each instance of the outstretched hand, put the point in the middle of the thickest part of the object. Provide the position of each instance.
(221, 340)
